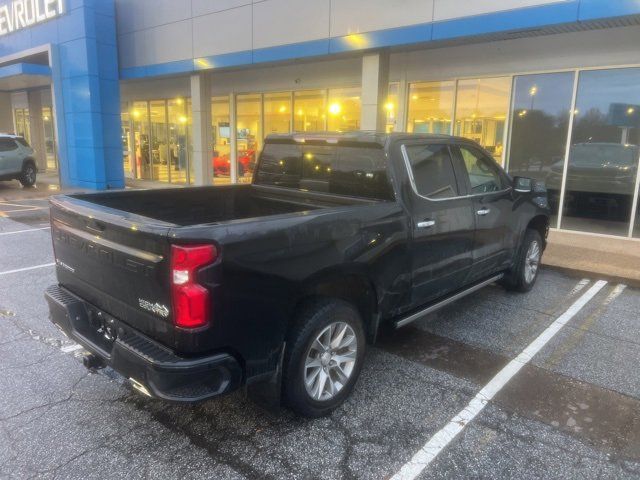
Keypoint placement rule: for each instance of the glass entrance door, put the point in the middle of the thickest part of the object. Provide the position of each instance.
(23, 124)
(178, 140)
(50, 149)
(139, 115)
(159, 145)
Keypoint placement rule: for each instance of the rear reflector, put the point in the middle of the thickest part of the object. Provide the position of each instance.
(191, 305)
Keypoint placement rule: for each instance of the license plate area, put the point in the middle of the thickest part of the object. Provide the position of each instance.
(99, 328)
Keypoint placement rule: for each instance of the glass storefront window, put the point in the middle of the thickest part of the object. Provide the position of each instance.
(50, 150)
(539, 128)
(23, 123)
(343, 110)
(277, 113)
(603, 159)
(309, 111)
(249, 134)
(481, 111)
(125, 118)
(159, 145)
(430, 107)
(221, 133)
(391, 108)
(177, 144)
(636, 225)
(189, 142)
(140, 124)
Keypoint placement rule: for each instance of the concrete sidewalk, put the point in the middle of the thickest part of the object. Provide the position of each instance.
(617, 259)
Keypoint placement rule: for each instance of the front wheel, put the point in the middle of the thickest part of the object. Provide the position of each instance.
(28, 175)
(324, 356)
(522, 276)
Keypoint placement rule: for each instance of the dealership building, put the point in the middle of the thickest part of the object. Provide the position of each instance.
(185, 91)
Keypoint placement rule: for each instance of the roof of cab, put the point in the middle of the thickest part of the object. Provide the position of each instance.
(360, 136)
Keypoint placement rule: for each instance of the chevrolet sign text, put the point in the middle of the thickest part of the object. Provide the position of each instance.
(20, 14)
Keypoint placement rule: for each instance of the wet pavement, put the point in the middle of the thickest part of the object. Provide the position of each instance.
(573, 411)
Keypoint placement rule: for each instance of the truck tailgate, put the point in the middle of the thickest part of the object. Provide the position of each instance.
(117, 261)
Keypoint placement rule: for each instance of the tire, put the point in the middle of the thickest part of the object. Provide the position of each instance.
(324, 318)
(522, 276)
(28, 175)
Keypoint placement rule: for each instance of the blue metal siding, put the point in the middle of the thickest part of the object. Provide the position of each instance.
(84, 72)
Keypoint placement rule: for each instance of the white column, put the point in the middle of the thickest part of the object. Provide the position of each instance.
(375, 85)
(201, 111)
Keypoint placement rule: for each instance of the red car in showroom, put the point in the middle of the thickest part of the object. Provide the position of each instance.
(246, 162)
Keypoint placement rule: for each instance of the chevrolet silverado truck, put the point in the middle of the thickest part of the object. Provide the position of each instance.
(278, 286)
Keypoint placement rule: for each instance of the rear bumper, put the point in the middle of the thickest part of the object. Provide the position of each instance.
(152, 368)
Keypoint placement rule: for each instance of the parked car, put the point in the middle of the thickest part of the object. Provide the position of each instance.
(222, 163)
(16, 160)
(278, 285)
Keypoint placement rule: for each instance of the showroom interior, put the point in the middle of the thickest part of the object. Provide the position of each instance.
(552, 92)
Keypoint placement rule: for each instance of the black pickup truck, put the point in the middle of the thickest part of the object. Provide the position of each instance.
(278, 286)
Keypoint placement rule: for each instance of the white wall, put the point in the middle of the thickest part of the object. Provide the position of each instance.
(160, 31)
(343, 72)
(594, 48)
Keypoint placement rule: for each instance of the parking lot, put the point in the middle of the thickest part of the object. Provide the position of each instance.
(571, 410)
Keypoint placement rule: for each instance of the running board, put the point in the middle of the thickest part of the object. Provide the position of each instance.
(437, 306)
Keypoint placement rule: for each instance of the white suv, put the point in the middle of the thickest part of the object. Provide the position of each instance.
(16, 160)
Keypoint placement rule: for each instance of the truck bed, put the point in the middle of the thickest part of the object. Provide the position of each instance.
(201, 205)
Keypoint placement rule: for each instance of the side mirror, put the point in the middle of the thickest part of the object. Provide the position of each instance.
(522, 184)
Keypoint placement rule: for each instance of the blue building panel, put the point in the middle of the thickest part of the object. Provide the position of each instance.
(86, 91)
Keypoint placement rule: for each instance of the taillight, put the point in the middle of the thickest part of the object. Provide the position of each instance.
(190, 299)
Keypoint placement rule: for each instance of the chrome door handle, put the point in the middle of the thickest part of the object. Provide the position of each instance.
(483, 211)
(426, 224)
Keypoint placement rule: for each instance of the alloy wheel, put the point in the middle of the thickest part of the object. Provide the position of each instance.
(532, 261)
(330, 361)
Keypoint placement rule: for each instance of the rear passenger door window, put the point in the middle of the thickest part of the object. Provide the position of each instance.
(362, 172)
(484, 175)
(432, 171)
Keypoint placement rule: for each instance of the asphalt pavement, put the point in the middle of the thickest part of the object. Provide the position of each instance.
(571, 410)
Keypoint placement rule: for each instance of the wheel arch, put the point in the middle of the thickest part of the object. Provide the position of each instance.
(540, 223)
(28, 160)
(354, 287)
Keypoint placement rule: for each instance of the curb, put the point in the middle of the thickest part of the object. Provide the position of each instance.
(576, 272)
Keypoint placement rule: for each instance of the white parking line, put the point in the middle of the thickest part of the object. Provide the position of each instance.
(27, 268)
(442, 438)
(24, 231)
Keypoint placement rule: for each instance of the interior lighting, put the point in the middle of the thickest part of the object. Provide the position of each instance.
(335, 108)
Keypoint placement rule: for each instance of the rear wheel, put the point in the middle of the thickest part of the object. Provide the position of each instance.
(325, 351)
(28, 175)
(522, 276)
